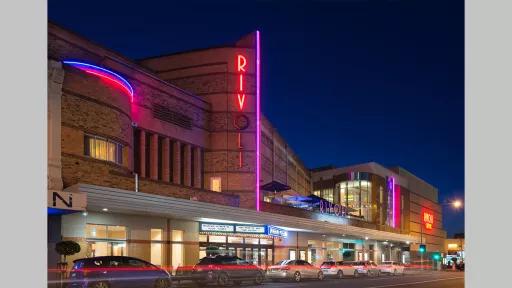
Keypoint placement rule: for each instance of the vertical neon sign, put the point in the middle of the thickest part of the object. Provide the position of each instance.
(258, 128)
(241, 121)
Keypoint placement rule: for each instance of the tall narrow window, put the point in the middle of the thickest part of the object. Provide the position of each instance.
(156, 246)
(177, 248)
(192, 166)
(148, 155)
(216, 184)
(182, 164)
(171, 160)
(103, 149)
(160, 162)
(136, 151)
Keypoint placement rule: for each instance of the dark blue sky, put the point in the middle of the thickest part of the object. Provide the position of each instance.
(343, 81)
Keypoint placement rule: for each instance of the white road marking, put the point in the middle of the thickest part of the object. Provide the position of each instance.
(412, 283)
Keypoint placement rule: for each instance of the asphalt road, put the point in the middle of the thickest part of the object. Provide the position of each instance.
(414, 280)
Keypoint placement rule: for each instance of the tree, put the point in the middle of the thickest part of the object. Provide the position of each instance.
(67, 248)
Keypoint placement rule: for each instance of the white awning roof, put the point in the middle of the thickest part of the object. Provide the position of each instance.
(139, 203)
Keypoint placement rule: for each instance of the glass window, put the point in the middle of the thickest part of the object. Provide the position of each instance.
(177, 250)
(356, 196)
(265, 241)
(103, 149)
(293, 254)
(203, 238)
(96, 231)
(135, 263)
(328, 195)
(116, 232)
(215, 184)
(217, 239)
(251, 240)
(235, 239)
(156, 247)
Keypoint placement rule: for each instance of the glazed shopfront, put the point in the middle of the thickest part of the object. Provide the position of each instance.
(169, 232)
(254, 243)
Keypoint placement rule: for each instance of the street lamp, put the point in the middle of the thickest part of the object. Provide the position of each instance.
(457, 204)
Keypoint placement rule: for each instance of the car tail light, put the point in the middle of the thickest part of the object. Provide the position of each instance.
(285, 268)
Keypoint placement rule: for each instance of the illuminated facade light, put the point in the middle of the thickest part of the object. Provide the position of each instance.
(258, 127)
(104, 74)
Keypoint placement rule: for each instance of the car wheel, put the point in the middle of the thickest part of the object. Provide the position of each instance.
(339, 274)
(99, 285)
(320, 276)
(297, 277)
(162, 283)
(259, 279)
(223, 279)
(356, 274)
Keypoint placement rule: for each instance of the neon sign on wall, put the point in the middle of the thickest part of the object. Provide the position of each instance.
(104, 74)
(241, 121)
(428, 220)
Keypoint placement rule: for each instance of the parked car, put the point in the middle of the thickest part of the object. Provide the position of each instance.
(368, 268)
(223, 269)
(391, 267)
(295, 270)
(117, 271)
(339, 269)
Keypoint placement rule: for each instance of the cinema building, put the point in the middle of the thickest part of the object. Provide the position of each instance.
(157, 159)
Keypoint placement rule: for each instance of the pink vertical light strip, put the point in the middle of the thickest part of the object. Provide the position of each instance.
(394, 200)
(258, 128)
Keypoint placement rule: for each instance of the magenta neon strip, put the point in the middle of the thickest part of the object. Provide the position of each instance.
(258, 128)
(394, 200)
(103, 73)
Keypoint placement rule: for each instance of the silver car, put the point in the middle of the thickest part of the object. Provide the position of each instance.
(294, 270)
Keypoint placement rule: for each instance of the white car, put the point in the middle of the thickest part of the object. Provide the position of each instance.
(338, 269)
(391, 267)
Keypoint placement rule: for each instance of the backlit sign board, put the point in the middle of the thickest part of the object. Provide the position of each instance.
(428, 219)
(274, 231)
(242, 229)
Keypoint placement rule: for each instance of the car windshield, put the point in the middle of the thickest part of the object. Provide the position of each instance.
(328, 263)
(282, 262)
(206, 261)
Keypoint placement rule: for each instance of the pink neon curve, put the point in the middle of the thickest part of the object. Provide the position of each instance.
(106, 77)
(104, 74)
(258, 128)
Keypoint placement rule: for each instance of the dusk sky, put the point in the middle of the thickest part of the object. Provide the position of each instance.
(344, 82)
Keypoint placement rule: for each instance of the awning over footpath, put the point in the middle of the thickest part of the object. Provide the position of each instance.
(139, 203)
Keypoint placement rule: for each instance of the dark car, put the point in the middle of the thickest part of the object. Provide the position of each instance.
(222, 270)
(117, 271)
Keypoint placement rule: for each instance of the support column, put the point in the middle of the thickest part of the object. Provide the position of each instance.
(198, 177)
(187, 177)
(176, 165)
(165, 160)
(153, 153)
(55, 81)
(142, 153)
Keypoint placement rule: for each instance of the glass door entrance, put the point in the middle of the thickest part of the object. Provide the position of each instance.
(254, 250)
